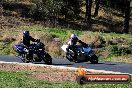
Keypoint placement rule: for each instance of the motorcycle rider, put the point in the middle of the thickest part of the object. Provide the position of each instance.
(72, 45)
(26, 42)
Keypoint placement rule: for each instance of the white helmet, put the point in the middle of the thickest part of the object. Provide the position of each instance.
(73, 36)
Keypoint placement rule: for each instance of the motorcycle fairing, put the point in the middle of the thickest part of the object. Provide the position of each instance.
(64, 47)
(87, 49)
(19, 48)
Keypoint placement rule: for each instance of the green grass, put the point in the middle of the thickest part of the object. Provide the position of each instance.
(62, 33)
(123, 58)
(63, 36)
(6, 48)
(19, 79)
(115, 35)
(55, 32)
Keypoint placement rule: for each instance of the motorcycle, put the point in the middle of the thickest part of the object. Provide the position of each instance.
(84, 54)
(37, 50)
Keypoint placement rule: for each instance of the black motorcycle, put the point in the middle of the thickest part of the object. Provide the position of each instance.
(83, 53)
(37, 50)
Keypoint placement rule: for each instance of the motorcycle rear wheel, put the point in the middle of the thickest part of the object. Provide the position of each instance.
(36, 58)
(94, 59)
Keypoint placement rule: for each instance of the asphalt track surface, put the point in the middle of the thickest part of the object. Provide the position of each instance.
(107, 66)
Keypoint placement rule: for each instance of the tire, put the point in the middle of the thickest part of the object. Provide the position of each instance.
(36, 58)
(69, 57)
(47, 59)
(94, 59)
(81, 80)
(25, 59)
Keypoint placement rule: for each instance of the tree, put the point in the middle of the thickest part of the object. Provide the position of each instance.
(71, 10)
(47, 9)
(88, 11)
(127, 16)
(97, 7)
(1, 10)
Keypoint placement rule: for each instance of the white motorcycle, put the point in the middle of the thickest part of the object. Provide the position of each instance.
(84, 54)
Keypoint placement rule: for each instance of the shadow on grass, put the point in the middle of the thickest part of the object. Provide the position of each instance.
(110, 25)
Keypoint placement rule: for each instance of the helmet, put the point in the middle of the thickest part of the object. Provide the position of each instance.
(26, 33)
(73, 36)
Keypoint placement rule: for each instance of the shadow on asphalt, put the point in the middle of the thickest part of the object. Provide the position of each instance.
(62, 64)
(52, 63)
(110, 64)
(97, 63)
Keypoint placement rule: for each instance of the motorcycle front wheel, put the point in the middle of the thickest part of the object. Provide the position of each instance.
(69, 57)
(47, 59)
(24, 58)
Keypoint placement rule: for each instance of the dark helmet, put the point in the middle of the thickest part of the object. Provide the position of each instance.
(26, 33)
